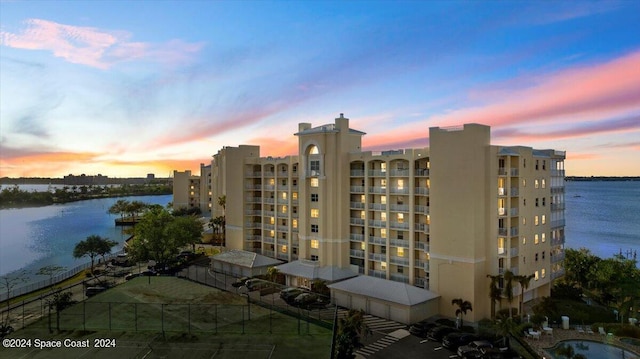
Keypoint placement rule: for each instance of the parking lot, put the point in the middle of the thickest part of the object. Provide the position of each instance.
(381, 346)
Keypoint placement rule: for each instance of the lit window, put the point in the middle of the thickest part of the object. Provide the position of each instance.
(315, 244)
(383, 183)
(383, 199)
(544, 239)
(284, 195)
(272, 181)
(400, 252)
(362, 214)
(383, 232)
(524, 182)
(544, 183)
(383, 216)
(400, 184)
(272, 220)
(383, 265)
(312, 151)
(428, 219)
(536, 275)
(192, 187)
(192, 193)
(383, 167)
(314, 182)
(294, 223)
(544, 272)
(209, 193)
(536, 184)
(294, 196)
(284, 209)
(363, 246)
(400, 217)
(501, 246)
(524, 221)
(544, 219)
(524, 240)
(535, 239)
(284, 249)
(272, 234)
(536, 220)
(315, 213)
(362, 198)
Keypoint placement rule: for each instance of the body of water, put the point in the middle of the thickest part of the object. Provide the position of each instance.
(603, 216)
(31, 238)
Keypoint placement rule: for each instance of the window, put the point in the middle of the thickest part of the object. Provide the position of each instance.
(536, 275)
(314, 197)
(544, 238)
(314, 182)
(363, 246)
(536, 220)
(543, 272)
(524, 163)
(536, 257)
(272, 220)
(544, 220)
(524, 182)
(400, 217)
(536, 202)
(383, 199)
(536, 184)
(315, 244)
(284, 249)
(544, 183)
(294, 223)
(544, 167)
(294, 182)
(383, 183)
(400, 235)
(314, 258)
(294, 196)
(501, 246)
(383, 167)
(400, 252)
(283, 195)
(544, 201)
(314, 228)
(383, 232)
(536, 239)
(524, 240)
(284, 209)
(362, 214)
(542, 254)
(524, 221)
(272, 181)
(400, 184)
(383, 265)
(383, 216)
(314, 166)
(384, 250)
(315, 213)
(284, 182)
(400, 270)
(294, 169)
(537, 162)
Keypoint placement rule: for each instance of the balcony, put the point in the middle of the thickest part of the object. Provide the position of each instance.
(268, 253)
(253, 212)
(377, 173)
(357, 221)
(398, 225)
(513, 231)
(357, 205)
(378, 273)
(283, 256)
(269, 187)
(283, 174)
(381, 190)
(557, 241)
(268, 213)
(421, 283)
(356, 237)
(422, 172)
(421, 209)
(399, 277)
(377, 223)
(401, 172)
(399, 261)
(356, 253)
(422, 227)
(378, 206)
(379, 257)
(357, 173)
(377, 240)
(399, 243)
(399, 190)
(558, 223)
(282, 228)
(557, 206)
(422, 245)
(357, 189)
(555, 258)
(256, 187)
(399, 207)
(514, 192)
(422, 191)
(251, 225)
(557, 274)
(269, 240)
(269, 173)
(513, 252)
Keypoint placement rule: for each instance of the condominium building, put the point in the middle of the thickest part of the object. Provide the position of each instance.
(440, 218)
(192, 191)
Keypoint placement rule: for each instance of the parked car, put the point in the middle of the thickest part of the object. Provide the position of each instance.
(437, 333)
(240, 282)
(421, 328)
(91, 291)
(498, 353)
(472, 350)
(186, 256)
(306, 299)
(289, 294)
(256, 284)
(454, 340)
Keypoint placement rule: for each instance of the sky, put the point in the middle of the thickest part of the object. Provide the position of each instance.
(127, 88)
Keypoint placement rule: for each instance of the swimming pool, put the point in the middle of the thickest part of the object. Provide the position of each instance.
(592, 350)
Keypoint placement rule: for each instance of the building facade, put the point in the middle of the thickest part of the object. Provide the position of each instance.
(193, 191)
(440, 218)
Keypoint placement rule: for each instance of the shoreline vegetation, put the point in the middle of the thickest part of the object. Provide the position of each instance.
(602, 178)
(14, 197)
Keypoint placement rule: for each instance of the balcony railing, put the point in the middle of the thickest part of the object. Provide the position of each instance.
(398, 225)
(377, 223)
(399, 260)
(399, 243)
(404, 172)
(377, 240)
(356, 253)
(378, 274)
(357, 189)
(422, 190)
(268, 253)
(558, 223)
(357, 205)
(422, 245)
(399, 207)
(357, 221)
(557, 274)
(422, 227)
(356, 237)
(377, 173)
(555, 258)
(377, 257)
(381, 190)
(399, 277)
(399, 190)
(422, 209)
(357, 173)
(378, 206)
(421, 172)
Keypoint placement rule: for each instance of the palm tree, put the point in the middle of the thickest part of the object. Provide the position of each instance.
(524, 281)
(494, 293)
(350, 329)
(504, 326)
(508, 287)
(463, 307)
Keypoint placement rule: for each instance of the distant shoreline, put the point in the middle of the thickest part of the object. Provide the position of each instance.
(602, 178)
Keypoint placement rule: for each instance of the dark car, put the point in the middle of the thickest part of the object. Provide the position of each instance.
(498, 353)
(472, 350)
(256, 284)
(289, 294)
(305, 300)
(452, 341)
(91, 291)
(186, 256)
(436, 334)
(421, 328)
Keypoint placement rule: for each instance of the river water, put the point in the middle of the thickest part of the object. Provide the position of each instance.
(31, 238)
(601, 216)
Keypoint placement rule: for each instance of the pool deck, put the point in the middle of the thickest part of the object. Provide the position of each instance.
(547, 341)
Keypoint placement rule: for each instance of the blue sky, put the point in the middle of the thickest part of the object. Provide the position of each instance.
(125, 88)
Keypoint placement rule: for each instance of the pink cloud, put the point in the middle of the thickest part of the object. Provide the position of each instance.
(94, 47)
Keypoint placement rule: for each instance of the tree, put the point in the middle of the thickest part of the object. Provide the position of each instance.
(463, 307)
(350, 329)
(58, 301)
(272, 273)
(504, 326)
(92, 247)
(508, 287)
(222, 202)
(524, 281)
(8, 283)
(159, 235)
(494, 293)
(120, 207)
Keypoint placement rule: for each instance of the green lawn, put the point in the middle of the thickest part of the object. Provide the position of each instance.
(198, 322)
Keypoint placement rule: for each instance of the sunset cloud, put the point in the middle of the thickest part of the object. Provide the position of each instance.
(92, 46)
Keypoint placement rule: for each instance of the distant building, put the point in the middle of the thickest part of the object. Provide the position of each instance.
(191, 191)
(440, 218)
